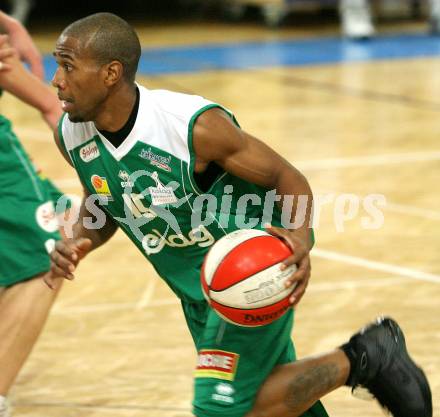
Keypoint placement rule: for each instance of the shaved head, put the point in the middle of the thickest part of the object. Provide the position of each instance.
(106, 37)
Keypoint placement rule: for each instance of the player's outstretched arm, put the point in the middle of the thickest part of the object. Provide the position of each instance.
(5, 52)
(22, 42)
(68, 252)
(97, 236)
(26, 86)
(218, 139)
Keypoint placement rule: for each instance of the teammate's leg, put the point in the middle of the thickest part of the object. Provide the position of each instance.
(434, 16)
(28, 230)
(24, 308)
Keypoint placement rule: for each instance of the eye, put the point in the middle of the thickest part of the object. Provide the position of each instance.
(67, 67)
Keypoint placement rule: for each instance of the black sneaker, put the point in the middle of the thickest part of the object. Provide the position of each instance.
(380, 363)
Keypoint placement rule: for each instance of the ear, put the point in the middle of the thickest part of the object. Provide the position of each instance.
(113, 72)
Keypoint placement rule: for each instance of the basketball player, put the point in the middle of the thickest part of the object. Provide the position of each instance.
(146, 156)
(357, 22)
(28, 226)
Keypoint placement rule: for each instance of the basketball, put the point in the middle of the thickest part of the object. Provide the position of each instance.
(242, 280)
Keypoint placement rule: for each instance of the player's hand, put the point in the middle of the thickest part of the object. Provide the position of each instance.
(300, 258)
(5, 52)
(21, 41)
(65, 257)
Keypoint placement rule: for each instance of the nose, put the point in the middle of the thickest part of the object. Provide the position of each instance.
(57, 80)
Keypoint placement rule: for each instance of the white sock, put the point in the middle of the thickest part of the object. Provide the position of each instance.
(435, 9)
(4, 406)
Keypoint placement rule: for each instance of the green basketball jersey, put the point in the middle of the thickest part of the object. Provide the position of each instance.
(147, 186)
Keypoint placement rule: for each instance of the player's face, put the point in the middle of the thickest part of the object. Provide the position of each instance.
(79, 81)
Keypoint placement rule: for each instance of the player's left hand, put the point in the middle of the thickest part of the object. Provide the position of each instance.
(300, 258)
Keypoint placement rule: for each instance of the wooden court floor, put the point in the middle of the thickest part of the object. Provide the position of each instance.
(116, 343)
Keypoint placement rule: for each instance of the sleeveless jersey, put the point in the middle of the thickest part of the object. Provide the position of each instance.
(147, 186)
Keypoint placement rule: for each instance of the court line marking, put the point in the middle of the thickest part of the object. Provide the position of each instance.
(147, 295)
(406, 209)
(321, 164)
(354, 284)
(382, 281)
(99, 407)
(314, 164)
(393, 207)
(376, 266)
(350, 91)
(368, 160)
(412, 211)
(333, 163)
(289, 53)
(100, 308)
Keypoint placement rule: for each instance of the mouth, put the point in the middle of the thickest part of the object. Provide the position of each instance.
(66, 104)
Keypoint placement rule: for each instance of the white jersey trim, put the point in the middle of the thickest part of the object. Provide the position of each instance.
(162, 121)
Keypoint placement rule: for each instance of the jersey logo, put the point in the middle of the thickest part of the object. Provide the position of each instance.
(159, 161)
(125, 177)
(101, 186)
(217, 364)
(134, 203)
(224, 392)
(89, 152)
(46, 218)
(155, 241)
(161, 194)
(162, 202)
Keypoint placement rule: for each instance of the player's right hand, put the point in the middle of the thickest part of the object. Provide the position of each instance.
(20, 40)
(65, 257)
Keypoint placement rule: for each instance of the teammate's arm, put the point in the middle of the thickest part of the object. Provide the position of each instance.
(217, 139)
(26, 86)
(22, 42)
(5, 52)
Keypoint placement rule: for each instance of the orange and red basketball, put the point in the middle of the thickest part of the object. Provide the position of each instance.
(242, 280)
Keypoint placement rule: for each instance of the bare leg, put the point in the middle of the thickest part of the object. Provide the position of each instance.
(434, 16)
(24, 308)
(293, 388)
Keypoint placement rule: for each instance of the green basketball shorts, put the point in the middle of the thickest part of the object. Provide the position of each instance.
(28, 225)
(233, 362)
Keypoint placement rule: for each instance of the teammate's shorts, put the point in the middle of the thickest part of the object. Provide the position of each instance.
(28, 225)
(233, 362)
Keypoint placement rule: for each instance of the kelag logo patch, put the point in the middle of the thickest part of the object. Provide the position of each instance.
(101, 187)
(216, 364)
